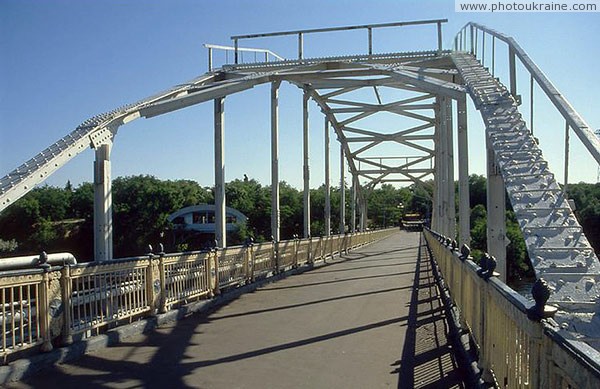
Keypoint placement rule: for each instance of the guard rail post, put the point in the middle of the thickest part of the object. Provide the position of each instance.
(67, 292)
(44, 304)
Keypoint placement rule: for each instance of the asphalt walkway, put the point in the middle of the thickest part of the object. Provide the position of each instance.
(372, 319)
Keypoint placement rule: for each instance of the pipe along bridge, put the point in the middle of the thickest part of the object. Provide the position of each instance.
(552, 342)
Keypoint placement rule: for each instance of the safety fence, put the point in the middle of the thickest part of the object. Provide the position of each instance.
(53, 305)
(519, 344)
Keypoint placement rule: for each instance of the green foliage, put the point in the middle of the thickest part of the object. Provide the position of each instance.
(479, 228)
(8, 246)
(587, 201)
(61, 219)
(477, 190)
(518, 263)
(141, 205)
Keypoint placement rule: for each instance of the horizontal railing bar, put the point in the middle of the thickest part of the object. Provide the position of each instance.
(247, 49)
(575, 121)
(330, 29)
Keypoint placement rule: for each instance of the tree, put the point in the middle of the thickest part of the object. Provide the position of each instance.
(141, 205)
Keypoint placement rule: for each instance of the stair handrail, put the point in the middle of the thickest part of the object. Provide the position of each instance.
(571, 116)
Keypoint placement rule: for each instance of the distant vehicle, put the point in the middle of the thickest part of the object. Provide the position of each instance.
(412, 222)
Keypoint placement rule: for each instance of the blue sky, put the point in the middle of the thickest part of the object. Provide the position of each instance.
(64, 61)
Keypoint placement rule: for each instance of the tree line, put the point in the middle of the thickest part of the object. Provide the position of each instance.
(55, 219)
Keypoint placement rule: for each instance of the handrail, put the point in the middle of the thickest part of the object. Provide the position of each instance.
(345, 28)
(212, 47)
(368, 27)
(518, 345)
(573, 119)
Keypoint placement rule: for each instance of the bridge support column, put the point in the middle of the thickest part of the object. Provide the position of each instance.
(437, 188)
(353, 204)
(306, 166)
(275, 212)
(444, 166)
(464, 206)
(103, 228)
(327, 182)
(342, 191)
(363, 214)
(496, 214)
(220, 231)
(450, 210)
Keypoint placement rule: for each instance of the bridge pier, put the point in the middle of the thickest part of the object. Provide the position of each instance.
(220, 232)
(103, 231)
(496, 213)
(275, 212)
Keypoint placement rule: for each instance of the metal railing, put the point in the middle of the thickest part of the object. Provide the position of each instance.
(517, 346)
(467, 39)
(58, 304)
(368, 27)
(20, 311)
(267, 53)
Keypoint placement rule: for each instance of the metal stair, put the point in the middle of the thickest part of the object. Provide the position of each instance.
(559, 251)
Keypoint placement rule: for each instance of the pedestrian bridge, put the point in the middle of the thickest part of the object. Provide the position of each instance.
(550, 343)
(361, 310)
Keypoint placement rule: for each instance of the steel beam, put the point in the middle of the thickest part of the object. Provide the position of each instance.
(189, 98)
(437, 190)
(220, 230)
(512, 72)
(496, 213)
(363, 214)
(450, 192)
(275, 212)
(342, 191)
(353, 203)
(576, 122)
(566, 179)
(464, 206)
(327, 182)
(306, 165)
(103, 227)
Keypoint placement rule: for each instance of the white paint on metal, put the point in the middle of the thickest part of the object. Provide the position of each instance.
(275, 211)
(342, 190)
(306, 163)
(558, 249)
(103, 226)
(219, 139)
(327, 181)
(464, 206)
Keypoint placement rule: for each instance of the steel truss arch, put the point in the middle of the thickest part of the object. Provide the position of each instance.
(102, 128)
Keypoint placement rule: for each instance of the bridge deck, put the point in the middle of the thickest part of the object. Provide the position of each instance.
(372, 320)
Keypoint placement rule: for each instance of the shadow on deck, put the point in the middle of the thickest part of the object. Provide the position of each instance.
(330, 327)
(427, 358)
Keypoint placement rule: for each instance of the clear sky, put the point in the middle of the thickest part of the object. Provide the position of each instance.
(62, 61)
